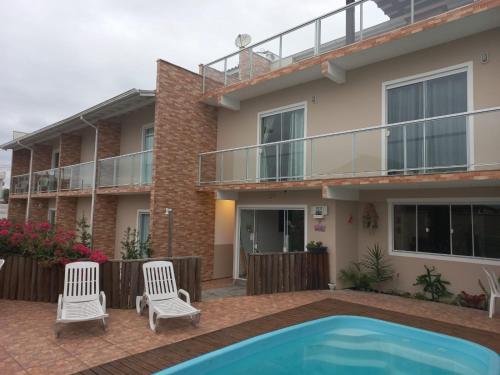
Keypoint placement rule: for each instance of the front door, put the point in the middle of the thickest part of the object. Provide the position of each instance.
(269, 231)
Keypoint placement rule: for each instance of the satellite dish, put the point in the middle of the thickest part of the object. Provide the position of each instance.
(242, 40)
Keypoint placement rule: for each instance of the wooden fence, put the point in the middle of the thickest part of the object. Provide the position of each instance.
(23, 278)
(287, 272)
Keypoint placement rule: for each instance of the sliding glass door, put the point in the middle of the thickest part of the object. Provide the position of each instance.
(282, 162)
(439, 145)
(269, 231)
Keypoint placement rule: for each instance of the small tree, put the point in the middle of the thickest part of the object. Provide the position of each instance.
(83, 230)
(378, 269)
(130, 250)
(433, 284)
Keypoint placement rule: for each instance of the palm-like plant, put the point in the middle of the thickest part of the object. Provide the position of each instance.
(377, 267)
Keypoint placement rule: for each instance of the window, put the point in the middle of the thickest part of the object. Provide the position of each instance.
(143, 226)
(284, 161)
(425, 146)
(51, 218)
(466, 230)
(147, 158)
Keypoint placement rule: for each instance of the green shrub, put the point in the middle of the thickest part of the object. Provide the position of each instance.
(377, 267)
(355, 277)
(432, 284)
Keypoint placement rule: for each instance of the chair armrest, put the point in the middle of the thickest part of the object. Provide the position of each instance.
(103, 301)
(59, 307)
(186, 294)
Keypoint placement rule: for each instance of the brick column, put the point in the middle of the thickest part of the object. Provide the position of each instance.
(184, 127)
(66, 212)
(105, 223)
(42, 157)
(17, 210)
(39, 210)
(20, 161)
(70, 147)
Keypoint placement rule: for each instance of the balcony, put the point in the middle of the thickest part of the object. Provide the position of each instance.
(76, 177)
(20, 184)
(353, 23)
(452, 143)
(45, 181)
(126, 170)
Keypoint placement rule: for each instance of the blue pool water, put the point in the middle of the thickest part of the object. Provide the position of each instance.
(346, 345)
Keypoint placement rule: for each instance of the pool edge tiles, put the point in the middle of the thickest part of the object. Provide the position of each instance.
(349, 326)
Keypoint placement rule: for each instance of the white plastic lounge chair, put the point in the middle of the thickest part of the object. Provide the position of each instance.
(494, 289)
(162, 296)
(2, 261)
(81, 300)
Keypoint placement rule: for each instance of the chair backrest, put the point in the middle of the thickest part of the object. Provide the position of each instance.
(2, 261)
(159, 280)
(492, 280)
(81, 281)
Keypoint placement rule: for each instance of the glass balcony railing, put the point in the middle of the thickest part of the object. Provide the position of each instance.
(77, 177)
(126, 170)
(347, 25)
(20, 184)
(45, 181)
(458, 142)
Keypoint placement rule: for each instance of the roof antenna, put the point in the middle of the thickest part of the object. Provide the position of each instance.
(242, 40)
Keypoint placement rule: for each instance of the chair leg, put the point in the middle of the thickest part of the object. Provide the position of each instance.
(104, 324)
(195, 320)
(492, 305)
(57, 330)
(153, 321)
(138, 305)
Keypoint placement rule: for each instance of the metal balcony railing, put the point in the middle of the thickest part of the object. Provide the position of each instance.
(457, 142)
(126, 170)
(350, 24)
(20, 184)
(45, 181)
(77, 176)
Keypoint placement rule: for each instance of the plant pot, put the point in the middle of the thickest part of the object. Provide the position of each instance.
(317, 250)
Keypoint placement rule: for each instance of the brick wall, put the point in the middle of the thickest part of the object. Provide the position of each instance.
(183, 127)
(39, 210)
(66, 212)
(260, 65)
(105, 223)
(20, 161)
(42, 157)
(109, 139)
(17, 210)
(70, 147)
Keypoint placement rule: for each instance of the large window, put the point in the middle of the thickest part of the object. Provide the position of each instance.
(457, 229)
(284, 161)
(426, 146)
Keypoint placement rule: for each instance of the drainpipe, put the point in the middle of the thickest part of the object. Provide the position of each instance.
(94, 177)
(28, 204)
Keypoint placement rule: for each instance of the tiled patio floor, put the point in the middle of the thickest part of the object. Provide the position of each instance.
(27, 344)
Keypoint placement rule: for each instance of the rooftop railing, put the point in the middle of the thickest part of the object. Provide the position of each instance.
(457, 142)
(20, 184)
(344, 26)
(126, 170)
(45, 181)
(77, 176)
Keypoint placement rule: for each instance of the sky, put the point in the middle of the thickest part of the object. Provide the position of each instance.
(59, 57)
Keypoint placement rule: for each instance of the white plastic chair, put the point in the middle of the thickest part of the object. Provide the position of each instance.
(494, 289)
(162, 297)
(81, 300)
(2, 261)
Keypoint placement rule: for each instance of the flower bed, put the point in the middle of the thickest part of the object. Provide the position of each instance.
(47, 244)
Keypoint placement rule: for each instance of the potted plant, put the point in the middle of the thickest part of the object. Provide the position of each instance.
(316, 247)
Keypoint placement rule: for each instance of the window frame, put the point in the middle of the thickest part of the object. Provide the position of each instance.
(140, 212)
(467, 67)
(436, 201)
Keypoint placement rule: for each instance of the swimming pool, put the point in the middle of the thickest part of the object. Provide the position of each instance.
(347, 345)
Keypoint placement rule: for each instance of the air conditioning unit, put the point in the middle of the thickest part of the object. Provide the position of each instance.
(319, 212)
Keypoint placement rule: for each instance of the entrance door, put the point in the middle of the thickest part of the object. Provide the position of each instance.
(269, 231)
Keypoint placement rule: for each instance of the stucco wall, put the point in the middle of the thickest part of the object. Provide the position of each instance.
(126, 216)
(358, 103)
(224, 238)
(131, 129)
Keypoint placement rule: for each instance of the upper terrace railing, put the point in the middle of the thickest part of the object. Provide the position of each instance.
(457, 142)
(130, 169)
(45, 181)
(20, 184)
(77, 176)
(350, 24)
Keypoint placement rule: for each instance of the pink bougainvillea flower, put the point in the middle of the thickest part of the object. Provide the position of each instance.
(4, 232)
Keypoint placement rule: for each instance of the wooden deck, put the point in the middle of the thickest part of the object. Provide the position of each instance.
(169, 355)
